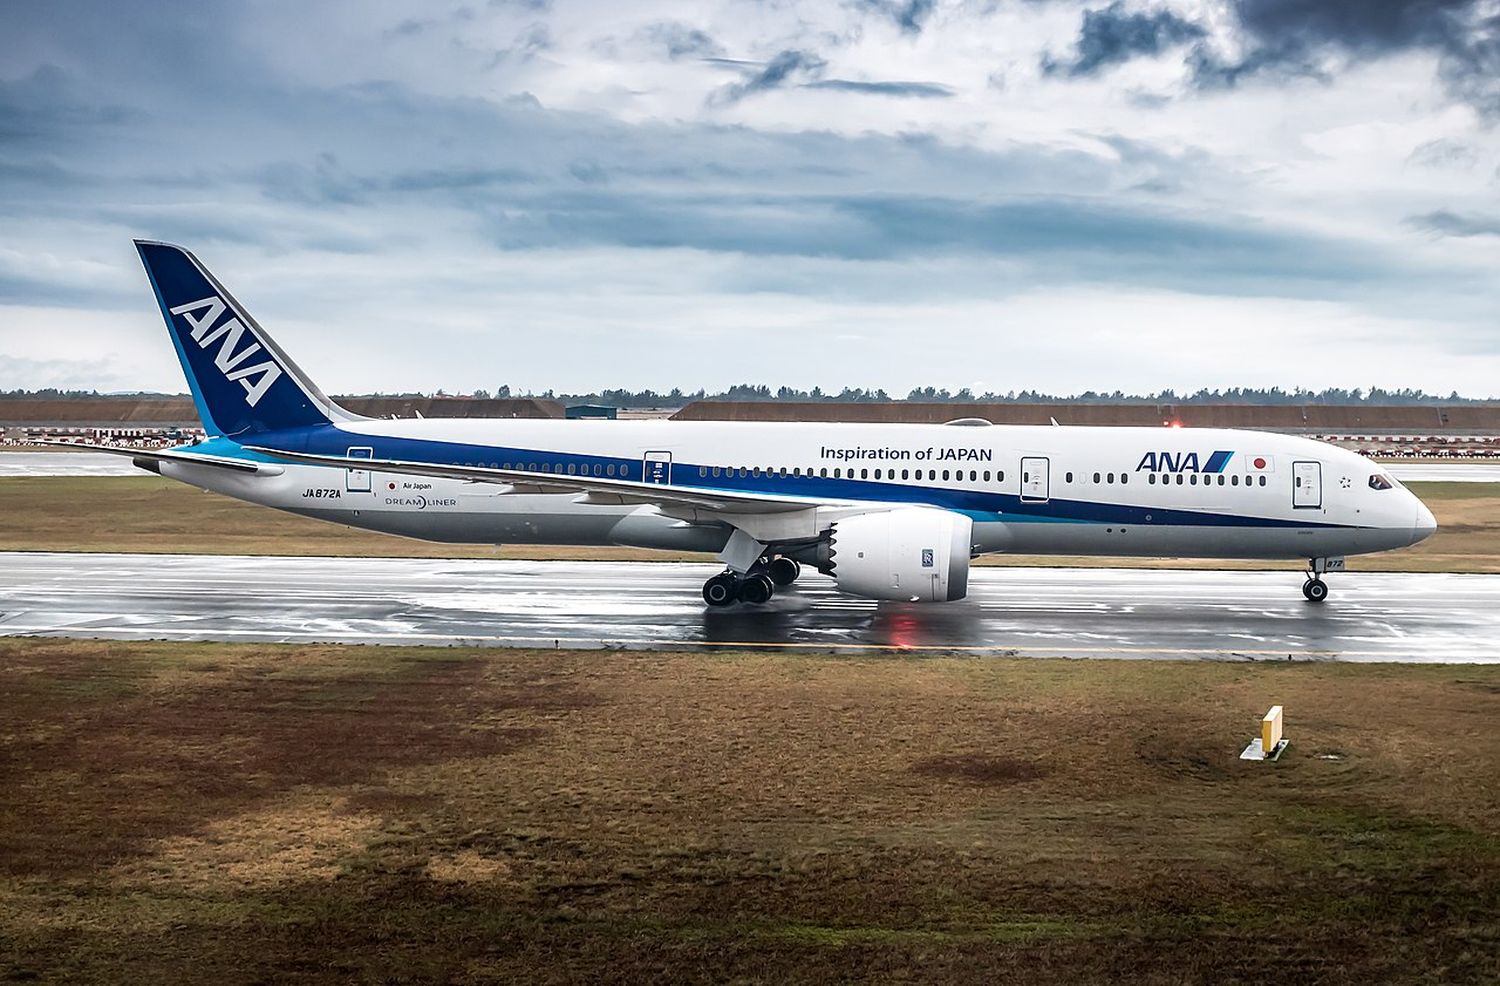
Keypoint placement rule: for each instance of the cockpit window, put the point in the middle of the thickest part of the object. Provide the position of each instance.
(1380, 481)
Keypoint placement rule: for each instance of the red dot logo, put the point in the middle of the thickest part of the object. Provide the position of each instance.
(391, 485)
(1260, 463)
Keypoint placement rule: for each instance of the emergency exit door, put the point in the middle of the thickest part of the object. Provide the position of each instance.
(1307, 484)
(656, 467)
(1035, 479)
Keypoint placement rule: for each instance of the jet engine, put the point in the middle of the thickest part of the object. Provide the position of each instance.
(914, 554)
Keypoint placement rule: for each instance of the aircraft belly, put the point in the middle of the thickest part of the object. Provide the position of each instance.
(1170, 541)
(477, 527)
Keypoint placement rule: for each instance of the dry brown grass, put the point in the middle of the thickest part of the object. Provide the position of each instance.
(322, 814)
(151, 514)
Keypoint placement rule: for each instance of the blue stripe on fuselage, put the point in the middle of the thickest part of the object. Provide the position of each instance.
(989, 505)
(1217, 462)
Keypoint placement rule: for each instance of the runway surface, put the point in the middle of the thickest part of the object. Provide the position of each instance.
(1128, 613)
(101, 464)
(66, 464)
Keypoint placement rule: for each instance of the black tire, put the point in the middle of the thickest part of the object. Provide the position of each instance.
(1316, 590)
(721, 590)
(783, 571)
(757, 589)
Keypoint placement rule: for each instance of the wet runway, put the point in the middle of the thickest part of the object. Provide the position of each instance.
(63, 463)
(1131, 613)
(101, 464)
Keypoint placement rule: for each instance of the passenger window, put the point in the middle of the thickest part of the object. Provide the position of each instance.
(1262, 480)
(945, 475)
(986, 475)
(1070, 477)
(1180, 480)
(823, 473)
(609, 470)
(1096, 477)
(1193, 479)
(1124, 479)
(906, 474)
(1151, 478)
(864, 474)
(1001, 475)
(702, 471)
(1110, 478)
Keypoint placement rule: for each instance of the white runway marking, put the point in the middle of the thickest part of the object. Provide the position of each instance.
(1045, 612)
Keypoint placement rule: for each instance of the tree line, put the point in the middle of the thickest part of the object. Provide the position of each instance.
(859, 395)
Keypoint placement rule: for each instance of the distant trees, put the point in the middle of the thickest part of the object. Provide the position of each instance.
(935, 395)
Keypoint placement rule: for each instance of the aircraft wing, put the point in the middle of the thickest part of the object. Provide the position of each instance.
(143, 456)
(596, 489)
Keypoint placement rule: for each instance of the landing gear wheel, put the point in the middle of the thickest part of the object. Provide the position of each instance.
(1315, 589)
(721, 590)
(783, 571)
(756, 589)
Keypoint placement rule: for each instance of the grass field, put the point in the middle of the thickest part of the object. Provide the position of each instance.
(178, 813)
(152, 514)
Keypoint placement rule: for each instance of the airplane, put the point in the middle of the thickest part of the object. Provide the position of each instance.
(892, 512)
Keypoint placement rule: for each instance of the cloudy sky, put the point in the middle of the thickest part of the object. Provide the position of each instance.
(888, 193)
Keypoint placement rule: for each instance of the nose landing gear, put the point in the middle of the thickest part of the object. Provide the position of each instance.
(755, 587)
(1315, 589)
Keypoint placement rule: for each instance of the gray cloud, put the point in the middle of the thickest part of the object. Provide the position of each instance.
(786, 67)
(1281, 39)
(1444, 152)
(1287, 38)
(920, 90)
(1445, 223)
(1115, 35)
(908, 15)
(676, 40)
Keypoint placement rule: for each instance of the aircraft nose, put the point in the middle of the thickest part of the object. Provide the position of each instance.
(1425, 525)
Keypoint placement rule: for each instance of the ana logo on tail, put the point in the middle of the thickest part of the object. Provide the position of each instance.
(256, 378)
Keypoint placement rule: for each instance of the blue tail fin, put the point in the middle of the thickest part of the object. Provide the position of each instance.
(241, 380)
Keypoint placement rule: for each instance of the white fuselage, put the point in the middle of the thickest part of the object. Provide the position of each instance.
(1037, 490)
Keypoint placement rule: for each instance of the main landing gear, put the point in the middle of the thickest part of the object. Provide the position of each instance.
(1315, 589)
(756, 586)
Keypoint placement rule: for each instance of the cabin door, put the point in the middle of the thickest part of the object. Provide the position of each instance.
(1035, 479)
(358, 480)
(1307, 484)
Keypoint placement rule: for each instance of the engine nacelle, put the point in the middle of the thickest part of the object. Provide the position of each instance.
(914, 554)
